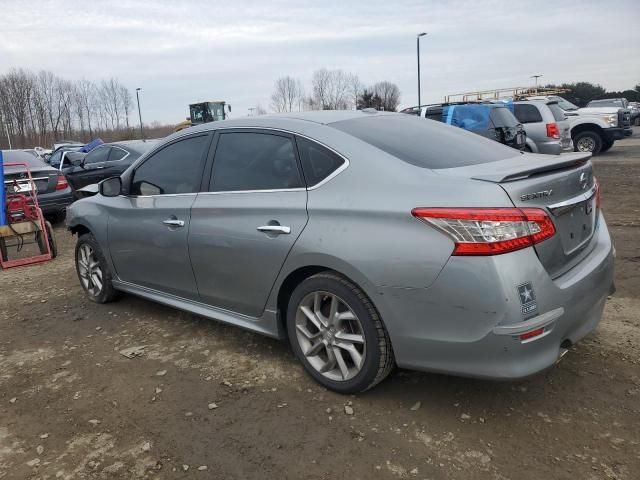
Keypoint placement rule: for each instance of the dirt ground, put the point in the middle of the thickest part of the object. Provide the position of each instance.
(209, 401)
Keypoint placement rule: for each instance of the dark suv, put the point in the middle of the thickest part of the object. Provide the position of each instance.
(493, 121)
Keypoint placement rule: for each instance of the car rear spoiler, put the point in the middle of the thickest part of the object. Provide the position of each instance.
(522, 166)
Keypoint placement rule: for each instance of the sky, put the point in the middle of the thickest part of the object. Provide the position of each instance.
(184, 51)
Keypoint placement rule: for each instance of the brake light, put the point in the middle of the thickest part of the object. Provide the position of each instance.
(62, 183)
(597, 184)
(552, 130)
(489, 231)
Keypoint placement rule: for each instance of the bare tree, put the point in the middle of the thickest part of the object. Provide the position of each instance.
(355, 88)
(389, 94)
(287, 94)
(330, 89)
(126, 102)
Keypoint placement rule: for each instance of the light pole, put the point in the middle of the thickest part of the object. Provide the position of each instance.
(139, 114)
(536, 78)
(418, 48)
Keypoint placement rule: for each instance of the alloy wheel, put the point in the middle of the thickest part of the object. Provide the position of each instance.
(586, 144)
(90, 270)
(330, 336)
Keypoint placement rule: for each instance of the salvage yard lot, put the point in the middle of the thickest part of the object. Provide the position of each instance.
(204, 400)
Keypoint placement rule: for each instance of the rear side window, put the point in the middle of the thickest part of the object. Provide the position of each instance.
(97, 155)
(117, 154)
(424, 143)
(558, 113)
(317, 162)
(254, 161)
(527, 113)
(177, 168)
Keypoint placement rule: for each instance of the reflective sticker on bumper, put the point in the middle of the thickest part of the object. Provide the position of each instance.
(527, 298)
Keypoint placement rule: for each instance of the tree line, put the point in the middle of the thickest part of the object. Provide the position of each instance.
(581, 93)
(333, 90)
(41, 108)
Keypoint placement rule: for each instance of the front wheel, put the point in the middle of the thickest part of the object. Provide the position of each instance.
(588, 141)
(337, 334)
(93, 270)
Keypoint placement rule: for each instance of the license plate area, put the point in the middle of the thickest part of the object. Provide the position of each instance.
(576, 224)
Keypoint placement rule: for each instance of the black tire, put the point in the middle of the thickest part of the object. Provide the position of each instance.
(606, 145)
(107, 293)
(53, 246)
(591, 137)
(378, 360)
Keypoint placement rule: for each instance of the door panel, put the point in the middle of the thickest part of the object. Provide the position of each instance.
(235, 264)
(148, 252)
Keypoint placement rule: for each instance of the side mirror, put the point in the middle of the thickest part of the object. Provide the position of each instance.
(110, 187)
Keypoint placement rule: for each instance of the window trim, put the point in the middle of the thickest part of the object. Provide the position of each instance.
(152, 153)
(285, 132)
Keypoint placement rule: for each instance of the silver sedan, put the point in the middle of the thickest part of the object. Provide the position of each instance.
(367, 239)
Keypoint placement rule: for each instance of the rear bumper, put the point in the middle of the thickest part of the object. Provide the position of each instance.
(469, 321)
(554, 147)
(55, 202)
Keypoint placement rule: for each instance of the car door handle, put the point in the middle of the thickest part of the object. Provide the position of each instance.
(275, 229)
(172, 222)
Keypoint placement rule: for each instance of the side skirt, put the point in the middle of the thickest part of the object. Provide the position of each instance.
(267, 324)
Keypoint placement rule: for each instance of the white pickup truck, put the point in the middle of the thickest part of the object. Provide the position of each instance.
(593, 129)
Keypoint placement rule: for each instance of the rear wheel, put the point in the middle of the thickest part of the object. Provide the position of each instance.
(587, 141)
(337, 334)
(93, 270)
(53, 246)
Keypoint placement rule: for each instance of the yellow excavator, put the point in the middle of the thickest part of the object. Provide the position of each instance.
(205, 112)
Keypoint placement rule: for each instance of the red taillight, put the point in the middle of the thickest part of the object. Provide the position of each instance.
(597, 183)
(533, 333)
(489, 231)
(62, 183)
(552, 130)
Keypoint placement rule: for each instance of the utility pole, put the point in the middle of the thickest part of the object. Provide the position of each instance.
(418, 51)
(139, 113)
(536, 79)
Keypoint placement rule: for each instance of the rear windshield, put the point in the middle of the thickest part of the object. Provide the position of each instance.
(502, 117)
(424, 143)
(558, 113)
(16, 156)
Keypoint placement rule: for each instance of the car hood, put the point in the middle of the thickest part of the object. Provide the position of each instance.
(597, 111)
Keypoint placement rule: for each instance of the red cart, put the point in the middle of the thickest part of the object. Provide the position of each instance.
(23, 219)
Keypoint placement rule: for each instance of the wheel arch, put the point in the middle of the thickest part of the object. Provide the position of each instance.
(300, 272)
(587, 127)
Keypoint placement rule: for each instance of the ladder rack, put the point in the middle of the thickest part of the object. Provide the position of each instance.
(503, 93)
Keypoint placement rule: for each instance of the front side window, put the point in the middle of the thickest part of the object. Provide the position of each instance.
(175, 169)
(254, 161)
(97, 155)
(527, 113)
(318, 162)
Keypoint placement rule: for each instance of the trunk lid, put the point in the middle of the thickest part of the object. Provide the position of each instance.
(16, 180)
(564, 186)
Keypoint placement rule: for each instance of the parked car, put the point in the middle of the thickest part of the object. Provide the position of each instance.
(490, 120)
(547, 127)
(54, 193)
(634, 107)
(367, 238)
(104, 161)
(56, 159)
(593, 129)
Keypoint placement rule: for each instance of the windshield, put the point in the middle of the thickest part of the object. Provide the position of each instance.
(424, 143)
(566, 105)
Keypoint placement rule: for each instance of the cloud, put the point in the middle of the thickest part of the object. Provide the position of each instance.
(182, 52)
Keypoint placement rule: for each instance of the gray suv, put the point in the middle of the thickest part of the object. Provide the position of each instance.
(368, 239)
(547, 127)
